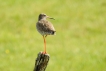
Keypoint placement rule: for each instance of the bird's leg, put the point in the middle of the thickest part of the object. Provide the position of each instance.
(44, 45)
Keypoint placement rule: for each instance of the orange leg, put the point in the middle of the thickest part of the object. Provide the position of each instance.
(44, 45)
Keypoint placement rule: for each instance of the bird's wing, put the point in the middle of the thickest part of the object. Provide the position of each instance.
(46, 26)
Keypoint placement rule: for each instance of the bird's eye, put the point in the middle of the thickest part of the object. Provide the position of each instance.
(44, 15)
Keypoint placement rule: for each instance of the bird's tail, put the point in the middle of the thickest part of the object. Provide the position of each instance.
(53, 32)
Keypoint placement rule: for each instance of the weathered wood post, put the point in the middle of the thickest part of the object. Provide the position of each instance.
(41, 62)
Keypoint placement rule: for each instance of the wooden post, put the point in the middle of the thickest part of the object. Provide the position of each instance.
(41, 62)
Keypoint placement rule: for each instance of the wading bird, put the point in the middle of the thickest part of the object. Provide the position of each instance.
(45, 27)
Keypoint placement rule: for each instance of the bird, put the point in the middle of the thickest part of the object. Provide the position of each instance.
(45, 27)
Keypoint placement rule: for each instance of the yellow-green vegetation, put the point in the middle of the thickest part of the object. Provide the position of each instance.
(79, 44)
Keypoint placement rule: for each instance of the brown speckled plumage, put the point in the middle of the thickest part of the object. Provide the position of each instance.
(44, 27)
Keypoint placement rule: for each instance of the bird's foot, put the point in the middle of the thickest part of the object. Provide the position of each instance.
(44, 53)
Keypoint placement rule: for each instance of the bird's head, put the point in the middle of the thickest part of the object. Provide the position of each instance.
(44, 16)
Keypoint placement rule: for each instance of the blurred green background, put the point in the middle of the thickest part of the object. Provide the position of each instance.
(79, 44)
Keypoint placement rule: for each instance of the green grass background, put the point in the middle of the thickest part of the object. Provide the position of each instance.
(79, 44)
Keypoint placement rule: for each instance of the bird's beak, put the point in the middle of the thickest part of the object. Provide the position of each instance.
(50, 18)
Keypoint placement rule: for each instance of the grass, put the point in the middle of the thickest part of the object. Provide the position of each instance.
(80, 43)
